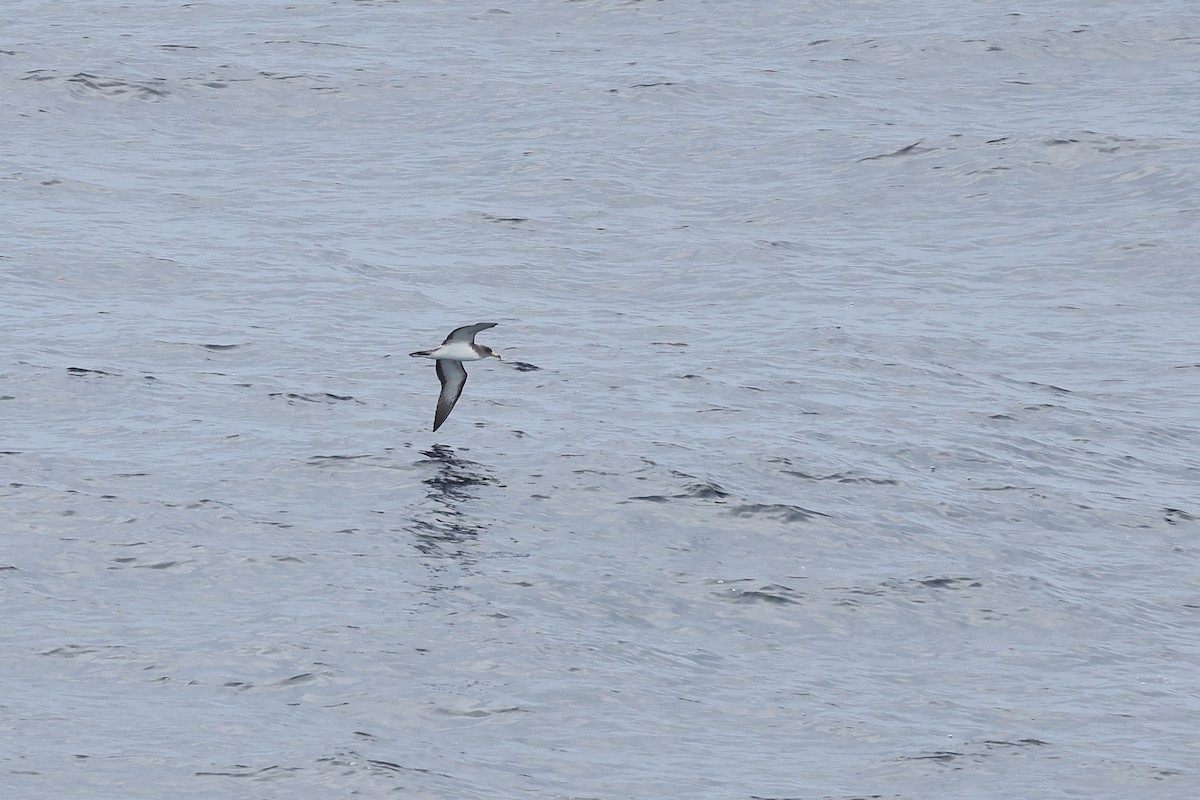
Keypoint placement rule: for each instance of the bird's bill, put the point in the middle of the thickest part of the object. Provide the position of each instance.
(497, 356)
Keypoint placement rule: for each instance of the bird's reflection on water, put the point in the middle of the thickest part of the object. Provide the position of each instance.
(451, 482)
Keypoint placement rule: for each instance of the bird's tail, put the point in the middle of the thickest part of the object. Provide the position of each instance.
(421, 353)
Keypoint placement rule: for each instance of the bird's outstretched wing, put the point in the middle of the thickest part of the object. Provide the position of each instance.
(467, 332)
(453, 378)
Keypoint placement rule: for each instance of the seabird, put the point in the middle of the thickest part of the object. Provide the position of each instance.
(459, 347)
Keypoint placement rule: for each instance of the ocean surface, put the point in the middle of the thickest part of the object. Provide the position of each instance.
(846, 444)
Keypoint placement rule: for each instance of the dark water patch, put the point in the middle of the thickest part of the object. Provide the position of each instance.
(349, 761)
(852, 593)
(201, 503)
(1008, 487)
(314, 43)
(671, 344)
(452, 477)
(701, 490)
(494, 218)
(646, 85)
(987, 170)
(88, 84)
(303, 677)
(320, 461)
(915, 591)
(781, 511)
(511, 222)
(129, 562)
(440, 534)
(86, 371)
(238, 771)
(451, 481)
(219, 346)
(1106, 144)
(390, 766)
(1174, 515)
(842, 477)
(316, 397)
(352, 759)
(908, 150)
(7, 397)
(949, 583)
(705, 491)
(1050, 386)
(976, 751)
(781, 244)
(277, 77)
(907, 587)
(701, 487)
(76, 650)
(523, 366)
(944, 756)
(482, 713)
(772, 593)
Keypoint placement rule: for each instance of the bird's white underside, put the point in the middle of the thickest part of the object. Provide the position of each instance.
(455, 351)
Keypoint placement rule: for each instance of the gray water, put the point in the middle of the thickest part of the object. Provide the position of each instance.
(845, 444)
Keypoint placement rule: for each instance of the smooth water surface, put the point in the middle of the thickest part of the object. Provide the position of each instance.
(845, 444)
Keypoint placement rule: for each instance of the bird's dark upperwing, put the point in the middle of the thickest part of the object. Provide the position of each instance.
(467, 332)
(453, 378)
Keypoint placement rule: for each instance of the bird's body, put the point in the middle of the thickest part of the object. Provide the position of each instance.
(459, 347)
(454, 351)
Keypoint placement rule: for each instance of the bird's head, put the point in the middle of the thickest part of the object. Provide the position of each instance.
(490, 353)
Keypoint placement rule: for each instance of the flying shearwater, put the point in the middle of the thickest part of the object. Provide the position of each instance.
(459, 347)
